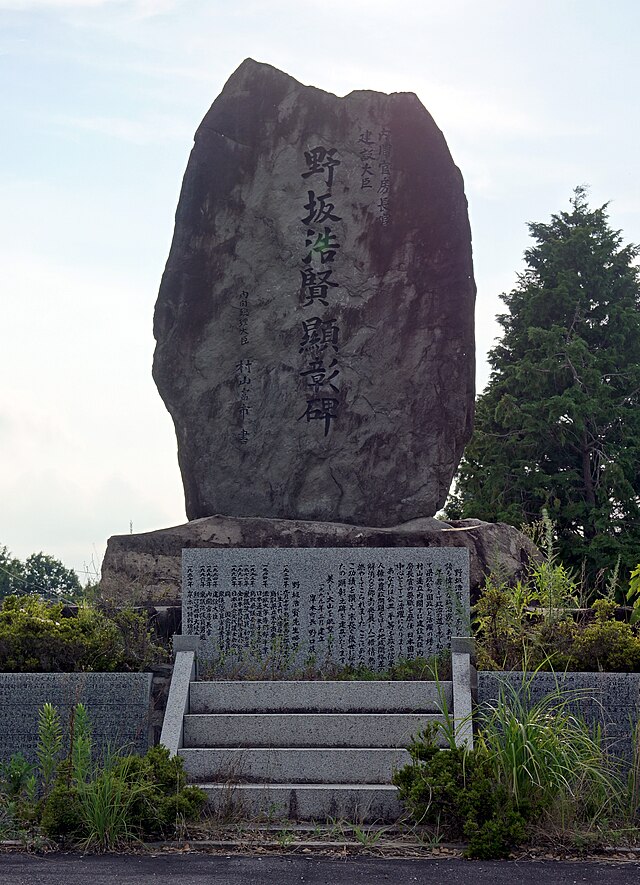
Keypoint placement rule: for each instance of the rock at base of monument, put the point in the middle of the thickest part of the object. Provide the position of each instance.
(146, 568)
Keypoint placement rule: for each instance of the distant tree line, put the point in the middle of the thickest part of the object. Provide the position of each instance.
(39, 574)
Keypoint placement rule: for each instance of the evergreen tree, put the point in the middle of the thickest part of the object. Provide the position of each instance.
(47, 576)
(558, 424)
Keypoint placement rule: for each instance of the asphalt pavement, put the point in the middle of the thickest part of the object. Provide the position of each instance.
(204, 869)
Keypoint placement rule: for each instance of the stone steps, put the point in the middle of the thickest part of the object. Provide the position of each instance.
(296, 765)
(304, 729)
(305, 750)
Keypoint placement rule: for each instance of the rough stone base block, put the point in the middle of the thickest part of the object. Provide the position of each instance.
(146, 568)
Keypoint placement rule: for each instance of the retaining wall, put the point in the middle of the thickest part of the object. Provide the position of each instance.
(118, 705)
(609, 699)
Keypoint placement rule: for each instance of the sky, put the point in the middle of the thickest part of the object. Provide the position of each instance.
(99, 101)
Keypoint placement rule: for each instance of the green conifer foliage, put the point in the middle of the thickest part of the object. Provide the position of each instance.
(558, 424)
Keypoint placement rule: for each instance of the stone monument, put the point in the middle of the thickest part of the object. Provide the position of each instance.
(314, 325)
(314, 332)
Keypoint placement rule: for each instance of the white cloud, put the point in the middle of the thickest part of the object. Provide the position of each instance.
(27, 5)
(140, 8)
(148, 8)
(149, 130)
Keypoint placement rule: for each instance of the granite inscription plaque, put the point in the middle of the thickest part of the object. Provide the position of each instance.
(365, 606)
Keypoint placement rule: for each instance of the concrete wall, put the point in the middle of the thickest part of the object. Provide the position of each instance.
(118, 705)
(609, 699)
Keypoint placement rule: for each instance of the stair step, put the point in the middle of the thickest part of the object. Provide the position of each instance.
(310, 750)
(309, 765)
(304, 729)
(318, 696)
(357, 803)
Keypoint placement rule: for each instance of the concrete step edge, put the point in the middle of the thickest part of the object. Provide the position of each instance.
(308, 749)
(299, 716)
(351, 684)
(385, 788)
(331, 696)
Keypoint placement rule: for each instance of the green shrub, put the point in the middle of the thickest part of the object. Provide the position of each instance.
(125, 798)
(61, 816)
(96, 813)
(606, 644)
(37, 636)
(503, 624)
(18, 803)
(456, 791)
(15, 776)
(532, 624)
(514, 632)
(106, 803)
(166, 799)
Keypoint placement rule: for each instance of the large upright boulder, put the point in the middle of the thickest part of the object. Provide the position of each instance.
(314, 324)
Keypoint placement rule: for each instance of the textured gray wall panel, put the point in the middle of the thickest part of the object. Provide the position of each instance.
(609, 699)
(370, 606)
(118, 705)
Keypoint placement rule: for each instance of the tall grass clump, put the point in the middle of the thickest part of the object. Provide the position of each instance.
(535, 764)
(549, 760)
(105, 803)
(105, 800)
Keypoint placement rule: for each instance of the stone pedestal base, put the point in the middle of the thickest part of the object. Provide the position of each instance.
(146, 568)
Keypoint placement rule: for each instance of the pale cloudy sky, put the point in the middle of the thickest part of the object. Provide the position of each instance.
(99, 103)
